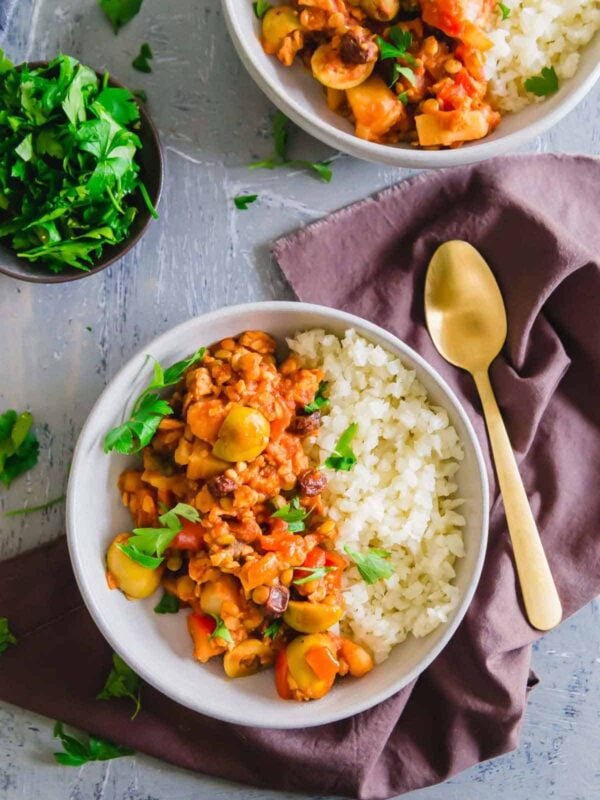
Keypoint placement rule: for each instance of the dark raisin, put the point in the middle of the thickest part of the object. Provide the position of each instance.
(312, 482)
(305, 425)
(277, 602)
(350, 50)
(221, 486)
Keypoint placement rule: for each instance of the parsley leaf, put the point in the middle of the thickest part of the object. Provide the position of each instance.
(120, 104)
(19, 448)
(149, 409)
(272, 629)
(242, 201)
(120, 12)
(147, 545)
(314, 574)
(122, 681)
(6, 637)
(543, 84)
(401, 40)
(77, 752)
(17, 512)
(260, 8)
(142, 61)
(169, 604)
(319, 401)
(343, 458)
(373, 566)
(294, 514)
(279, 157)
(504, 10)
(221, 630)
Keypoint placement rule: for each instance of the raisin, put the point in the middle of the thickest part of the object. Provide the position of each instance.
(312, 482)
(221, 486)
(278, 599)
(306, 425)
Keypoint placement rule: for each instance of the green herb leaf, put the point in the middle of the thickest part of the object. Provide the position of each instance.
(6, 637)
(294, 514)
(314, 574)
(6, 64)
(147, 545)
(260, 8)
(77, 752)
(19, 448)
(504, 10)
(406, 72)
(120, 12)
(279, 157)
(543, 84)
(403, 97)
(221, 630)
(169, 604)
(401, 40)
(17, 512)
(120, 104)
(272, 629)
(149, 409)
(122, 681)
(142, 61)
(373, 566)
(242, 201)
(343, 458)
(320, 401)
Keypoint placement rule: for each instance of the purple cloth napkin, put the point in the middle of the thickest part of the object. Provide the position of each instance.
(535, 219)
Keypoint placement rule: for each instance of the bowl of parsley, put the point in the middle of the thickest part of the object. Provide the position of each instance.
(81, 170)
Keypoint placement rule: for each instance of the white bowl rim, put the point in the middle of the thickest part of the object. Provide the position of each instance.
(214, 709)
(390, 154)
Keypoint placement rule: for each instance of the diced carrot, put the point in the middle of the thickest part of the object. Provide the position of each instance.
(323, 663)
(205, 418)
(259, 573)
(281, 676)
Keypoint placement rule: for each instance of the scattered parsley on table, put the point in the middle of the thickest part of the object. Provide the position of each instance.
(19, 447)
(78, 752)
(142, 61)
(122, 681)
(6, 637)
(120, 12)
(242, 201)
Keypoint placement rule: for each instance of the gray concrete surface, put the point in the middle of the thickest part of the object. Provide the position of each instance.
(200, 255)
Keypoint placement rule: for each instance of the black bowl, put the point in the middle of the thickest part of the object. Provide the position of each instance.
(151, 172)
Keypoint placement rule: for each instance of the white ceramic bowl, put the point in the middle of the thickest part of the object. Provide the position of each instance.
(158, 647)
(300, 97)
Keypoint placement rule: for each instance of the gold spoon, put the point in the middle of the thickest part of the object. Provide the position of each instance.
(467, 321)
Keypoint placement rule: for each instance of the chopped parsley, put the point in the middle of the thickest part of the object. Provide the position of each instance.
(504, 10)
(543, 84)
(397, 48)
(147, 545)
(169, 604)
(221, 630)
(242, 201)
(260, 8)
(122, 681)
(149, 409)
(343, 458)
(142, 61)
(372, 567)
(6, 637)
(314, 574)
(78, 752)
(279, 157)
(17, 512)
(294, 514)
(319, 400)
(120, 12)
(272, 629)
(19, 448)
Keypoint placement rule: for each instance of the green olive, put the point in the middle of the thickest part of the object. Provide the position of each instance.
(383, 10)
(311, 617)
(243, 435)
(247, 658)
(134, 580)
(278, 23)
(331, 70)
(308, 683)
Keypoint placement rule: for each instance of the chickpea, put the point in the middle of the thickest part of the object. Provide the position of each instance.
(260, 595)
(430, 106)
(135, 581)
(452, 66)
(358, 659)
(243, 435)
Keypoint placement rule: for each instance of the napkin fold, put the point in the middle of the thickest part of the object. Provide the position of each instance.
(536, 221)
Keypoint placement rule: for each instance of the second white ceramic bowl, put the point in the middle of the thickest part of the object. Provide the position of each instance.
(158, 647)
(295, 92)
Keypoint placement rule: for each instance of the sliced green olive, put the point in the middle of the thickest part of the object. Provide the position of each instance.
(383, 10)
(330, 70)
(311, 617)
(243, 435)
(308, 682)
(131, 578)
(247, 658)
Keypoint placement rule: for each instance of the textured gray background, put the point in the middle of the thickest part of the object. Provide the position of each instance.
(200, 255)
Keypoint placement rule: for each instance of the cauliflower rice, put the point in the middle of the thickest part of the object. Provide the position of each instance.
(400, 496)
(537, 34)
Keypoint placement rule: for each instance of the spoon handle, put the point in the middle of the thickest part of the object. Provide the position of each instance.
(542, 602)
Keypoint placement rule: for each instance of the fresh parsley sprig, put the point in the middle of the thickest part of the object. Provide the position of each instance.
(543, 84)
(221, 630)
(272, 629)
(343, 459)
(397, 48)
(314, 574)
(168, 604)
(149, 409)
(19, 448)
(120, 12)
(319, 401)
(294, 514)
(142, 61)
(122, 681)
(147, 545)
(78, 752)
(260, 8)
(279, 157)
(504, 11)
(373, 566)
(6, 637)
(242, 201)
